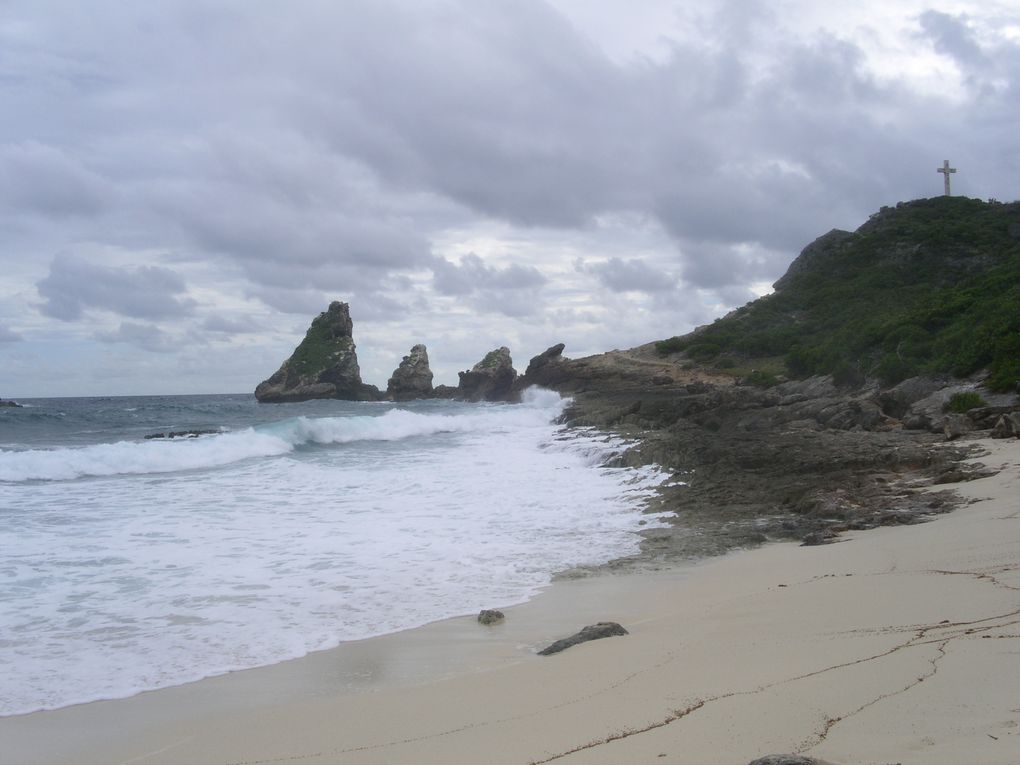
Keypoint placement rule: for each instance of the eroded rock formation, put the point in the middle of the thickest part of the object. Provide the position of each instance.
(491, 379)
(413, 378)
(324, 365)
(547, 369)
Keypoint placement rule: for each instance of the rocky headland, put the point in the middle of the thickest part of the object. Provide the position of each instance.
(823, 407)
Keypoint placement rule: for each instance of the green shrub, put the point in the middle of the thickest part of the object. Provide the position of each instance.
(964, 402)
(672, 345)
(761, 379)
(703, 351)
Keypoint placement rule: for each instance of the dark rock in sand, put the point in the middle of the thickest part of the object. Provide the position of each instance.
(788, 759)
(591, 632)
(324, 365)
(961, 474)
(816, 538)
(956, 425)
(413, 378)
(490, 616)
(491, 379)
(1007, 426)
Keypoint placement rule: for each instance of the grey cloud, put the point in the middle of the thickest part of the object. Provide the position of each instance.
(951, 37)
(143, 292)
(473, 275)
(227, 326)
(302, 302)
(43, 179)
(630, 275)
(144, 336)
(716, 266)
(8, 336)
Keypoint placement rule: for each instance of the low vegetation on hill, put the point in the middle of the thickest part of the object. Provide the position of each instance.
(928, 287)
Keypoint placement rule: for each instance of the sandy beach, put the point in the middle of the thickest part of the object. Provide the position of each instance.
(897, 645)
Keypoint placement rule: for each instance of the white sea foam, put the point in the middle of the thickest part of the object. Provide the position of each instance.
(331, 529)
(211, 451)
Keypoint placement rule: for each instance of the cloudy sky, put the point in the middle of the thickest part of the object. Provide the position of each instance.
(184, 184)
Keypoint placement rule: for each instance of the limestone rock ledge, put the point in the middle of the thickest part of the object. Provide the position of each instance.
(324, 365)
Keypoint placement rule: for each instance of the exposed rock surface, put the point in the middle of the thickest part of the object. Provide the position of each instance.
(546, 369)
(491, 379)
(324, 365)
(956, 425)
(801, 460)
(9, 403)
(591, 632)
(490, 616)
(1007, 426)
(788, 759)
(413, 378)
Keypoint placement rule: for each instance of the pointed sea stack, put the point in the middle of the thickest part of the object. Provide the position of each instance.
(413, 378)
(491, 379)
(324, 365)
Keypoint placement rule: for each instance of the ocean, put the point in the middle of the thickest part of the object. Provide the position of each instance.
(129, 564)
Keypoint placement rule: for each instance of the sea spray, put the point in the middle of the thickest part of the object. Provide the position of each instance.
(299, 529)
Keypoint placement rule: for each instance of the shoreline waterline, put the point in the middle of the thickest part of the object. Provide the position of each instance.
(818, 650)
(123, 576)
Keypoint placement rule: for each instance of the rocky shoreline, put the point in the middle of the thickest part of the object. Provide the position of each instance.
(753, 458)
(802, 460)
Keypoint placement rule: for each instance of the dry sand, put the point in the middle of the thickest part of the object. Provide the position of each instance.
(899, 645)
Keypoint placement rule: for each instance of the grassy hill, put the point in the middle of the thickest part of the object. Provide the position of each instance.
(930, 286)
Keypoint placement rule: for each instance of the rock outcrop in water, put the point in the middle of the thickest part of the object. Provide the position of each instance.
(413, 378)
(9, 403)
(547, 369)
(491, 379)
(324, 365)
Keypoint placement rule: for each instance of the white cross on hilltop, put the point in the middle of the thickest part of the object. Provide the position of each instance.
(946, 170)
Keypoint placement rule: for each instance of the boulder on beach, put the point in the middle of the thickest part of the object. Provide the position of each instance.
(490, 616)
(324, 365)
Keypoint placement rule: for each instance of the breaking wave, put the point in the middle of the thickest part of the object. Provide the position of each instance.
(538, 409)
